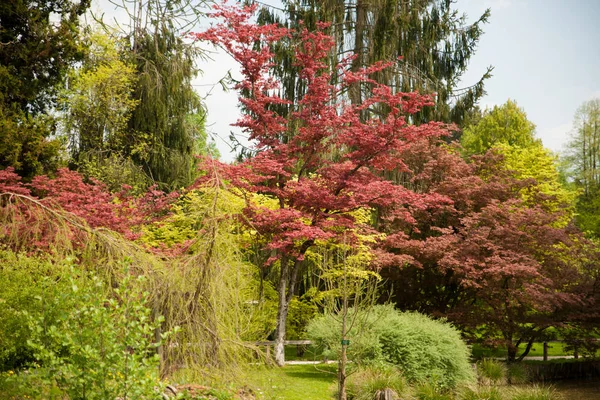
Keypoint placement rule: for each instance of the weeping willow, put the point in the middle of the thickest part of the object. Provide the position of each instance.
(220, 287)
(434, 41)
(205, 296)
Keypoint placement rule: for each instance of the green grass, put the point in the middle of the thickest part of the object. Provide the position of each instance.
(554, 349)
(295, 382)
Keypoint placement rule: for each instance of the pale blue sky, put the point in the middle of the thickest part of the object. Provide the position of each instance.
(545, 54)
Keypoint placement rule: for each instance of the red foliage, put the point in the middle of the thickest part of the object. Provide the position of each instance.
(10, 182)
(326, 157)
(332, 163)
(488, 259)
(92, 202)
(459, 231)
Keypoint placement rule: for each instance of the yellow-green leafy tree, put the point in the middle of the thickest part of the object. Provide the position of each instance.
(507, 124)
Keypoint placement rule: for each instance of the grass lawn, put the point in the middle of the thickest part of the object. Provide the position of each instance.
(296, 382)
(554, 349)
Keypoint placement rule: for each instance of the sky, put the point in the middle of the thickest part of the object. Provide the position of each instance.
(545, 55)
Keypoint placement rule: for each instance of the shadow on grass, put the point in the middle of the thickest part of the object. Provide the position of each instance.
(322, 373)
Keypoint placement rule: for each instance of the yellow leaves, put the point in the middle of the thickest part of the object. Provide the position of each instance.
(98, 95)
(260, 200)
(505, 124)
(192, 213)
(538, 163)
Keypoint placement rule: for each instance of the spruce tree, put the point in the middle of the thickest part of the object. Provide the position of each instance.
(434, 42)
(166, 99)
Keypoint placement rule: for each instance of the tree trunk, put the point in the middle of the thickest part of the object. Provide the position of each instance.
(359, 61)
(342, 374)
(527, 348)
(510, 347)
(343, 355)
(285, 292)
(282, 312)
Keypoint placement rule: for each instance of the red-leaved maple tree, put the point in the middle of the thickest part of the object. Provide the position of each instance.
(503, 268)
(68, 191)
(323, 160)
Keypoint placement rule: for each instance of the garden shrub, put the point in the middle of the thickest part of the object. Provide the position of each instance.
(491, 371)
(422, 348)
(517, 373)
(23, 281)
(299, 315)
(431, 391)
(82, 340)
(365, 383)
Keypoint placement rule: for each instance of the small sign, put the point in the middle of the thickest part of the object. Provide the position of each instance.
(345, 342)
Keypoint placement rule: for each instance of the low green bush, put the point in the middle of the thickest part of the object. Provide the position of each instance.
(367, 382)
(431, 391)
(491, 371)
(422, 348)
(517, 373)
(23, 282)
(82, 339)
(300, 313)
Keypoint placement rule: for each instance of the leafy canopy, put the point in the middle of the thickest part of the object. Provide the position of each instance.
(507, 124)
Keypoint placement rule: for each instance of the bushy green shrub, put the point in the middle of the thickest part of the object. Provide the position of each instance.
(83, 340)
(325, 332)
(431, 391)
(424, 349)
(299, 315)
(23, 281)
(517, 373)
(367, 382)
(491, 371)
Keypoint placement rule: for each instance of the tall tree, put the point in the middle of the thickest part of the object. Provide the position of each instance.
(582, 160)
(315, 187)
(434, 43)
(162, 134)
(35, 54)
(98, 100)
(501, 244)
(165, 100)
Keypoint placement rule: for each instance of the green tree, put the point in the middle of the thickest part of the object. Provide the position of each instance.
(538, 163)
(98, 98)
(35, 54)
(162, 136)
(434, 41)
(506, 130)
(505, 124)
(25, 143)
(582, 164)
(165, 96)
(97, 104)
